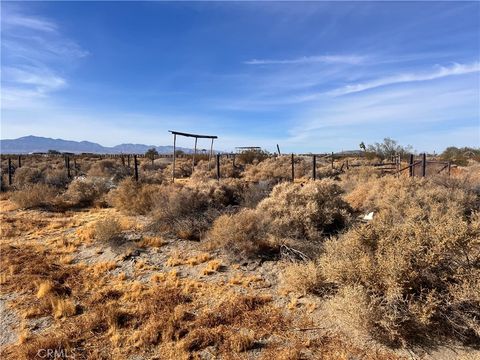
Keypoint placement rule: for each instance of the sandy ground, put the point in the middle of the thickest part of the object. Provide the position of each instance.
(20, 227)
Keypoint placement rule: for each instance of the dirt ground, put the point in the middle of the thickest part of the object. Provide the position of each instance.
(140, 258)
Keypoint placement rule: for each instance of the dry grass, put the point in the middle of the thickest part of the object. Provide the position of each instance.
(108, 230)
(86, 192)
(242, 235)
(413, 264)
(132, 197)
(35, 196)
(293, 213)
(305, 211)
(302, 278)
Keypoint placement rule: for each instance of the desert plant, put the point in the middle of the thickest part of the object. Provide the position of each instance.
(86, 192)
(305, 211)
(25, 176)
(108, 230)
(243, 234)
(109, 169)
(35, 196)
(132, 197)
(414, 264)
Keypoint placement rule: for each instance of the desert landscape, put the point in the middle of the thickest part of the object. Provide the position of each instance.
(251, 265)
(255, 180)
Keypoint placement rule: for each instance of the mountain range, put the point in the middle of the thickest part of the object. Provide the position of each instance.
(31, 144)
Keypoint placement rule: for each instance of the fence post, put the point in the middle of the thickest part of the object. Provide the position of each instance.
(136, 167)
(293, 168)
(332, 161)
(68, 166)
(9, 171)
(123, 161)
(410, 163)
(218, 166)
(346, 163)
(128, 160)
(314, 167)
(424, 164)
(19, 161)
(449, 166)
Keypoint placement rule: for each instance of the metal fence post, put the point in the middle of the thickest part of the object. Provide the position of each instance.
(218, 166)
(424, 164)
(293, 168)
(314, 167)
(10, 171)
(136, 167)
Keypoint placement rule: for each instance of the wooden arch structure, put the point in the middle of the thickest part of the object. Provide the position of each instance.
(196, 136)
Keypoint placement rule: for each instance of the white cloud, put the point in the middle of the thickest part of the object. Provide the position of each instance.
(327, 59)
(35, 55)
(439, 72)
(34, 23)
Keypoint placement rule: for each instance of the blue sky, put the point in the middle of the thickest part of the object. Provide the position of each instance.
(312, 77)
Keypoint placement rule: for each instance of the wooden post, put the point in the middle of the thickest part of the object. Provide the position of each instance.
(194, 153)
(332, 161)
(128, 161)
(411, 168)
(424, 164)
(449, 166)
(314, 167)
(135, 167)
(123, 161)
(293, 168)
(19, 161)
(68, 166)
(278, 149)
(174, 144)
(10, 171)
(218, 166)
(346, 163)
(210, 155)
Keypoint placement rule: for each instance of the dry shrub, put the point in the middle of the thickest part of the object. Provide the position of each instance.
(188, 211)
(183, 168)
(56, 177)
(35, 196)
(242, 234)
(254, 193)
(302, 278)
(292, 213)
(87, 192)
(109, 169)
(304, 211)
(277, 169)
(25, 176)
(351, 178)
(108, 230)
(418, 261)
(132, 197)
(227, 169)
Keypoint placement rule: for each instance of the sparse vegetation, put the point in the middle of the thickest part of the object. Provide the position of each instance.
(281, 270)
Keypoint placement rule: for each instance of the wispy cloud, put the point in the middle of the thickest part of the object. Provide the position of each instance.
(35, 57)
(34, 23)
(437, 73)
(327, 59)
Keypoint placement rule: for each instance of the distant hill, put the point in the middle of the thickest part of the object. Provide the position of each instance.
(30, 144)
